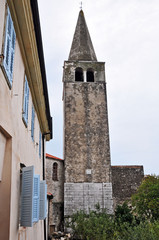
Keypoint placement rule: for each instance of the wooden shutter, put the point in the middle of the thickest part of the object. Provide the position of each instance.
(9, 48)
(32, 123)
(26, 101)
(43, 200)
(27, 196)
(40, 144)
(36, 194)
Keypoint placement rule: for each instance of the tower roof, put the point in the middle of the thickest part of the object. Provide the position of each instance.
(82, 47)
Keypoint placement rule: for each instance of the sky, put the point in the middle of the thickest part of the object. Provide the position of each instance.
(125, 35)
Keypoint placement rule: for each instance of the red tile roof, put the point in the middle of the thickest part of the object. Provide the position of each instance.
(49, 194)
(53, 157)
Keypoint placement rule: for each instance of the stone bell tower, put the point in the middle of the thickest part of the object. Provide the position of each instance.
(86, 134)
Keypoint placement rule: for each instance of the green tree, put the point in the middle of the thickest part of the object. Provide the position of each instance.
(123, 214)
(146, 200)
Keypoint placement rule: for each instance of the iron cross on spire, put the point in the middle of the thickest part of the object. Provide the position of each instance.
(81, 5)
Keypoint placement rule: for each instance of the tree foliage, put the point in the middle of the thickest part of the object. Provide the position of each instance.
(100, 226)
(146, 200)
(123, 214)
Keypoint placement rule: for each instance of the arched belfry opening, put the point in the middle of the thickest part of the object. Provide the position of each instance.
(54, 172)
(79, 75)
(90, 75)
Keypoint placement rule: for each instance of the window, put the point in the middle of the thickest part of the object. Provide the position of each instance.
(9, 48)
(90, 75)
(79, 75)
(33, 198)
(40, 144)
(32, 123)
(54, 172)
(26, 101)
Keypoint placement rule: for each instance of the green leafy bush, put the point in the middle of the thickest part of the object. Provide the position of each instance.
(99, 226)
(146, 200)
(123, 214)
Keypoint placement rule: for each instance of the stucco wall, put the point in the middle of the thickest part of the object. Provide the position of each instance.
(20, 147)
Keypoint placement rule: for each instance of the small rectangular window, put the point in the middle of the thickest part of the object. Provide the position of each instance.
(32, 123)
(9, 49)
(26, 101)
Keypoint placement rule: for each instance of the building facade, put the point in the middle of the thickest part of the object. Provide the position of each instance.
(88, 180)
(25, 121)
(55, 183)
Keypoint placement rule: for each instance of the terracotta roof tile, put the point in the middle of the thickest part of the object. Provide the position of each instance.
(53, 157)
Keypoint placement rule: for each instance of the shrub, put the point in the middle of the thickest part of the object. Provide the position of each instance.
(146, 200)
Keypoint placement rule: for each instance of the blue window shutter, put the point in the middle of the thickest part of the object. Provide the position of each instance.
(36, 195)
(40, 144)
(27, 196)
(32, 123)
(26, 101)
(43, 200)
(9, 48)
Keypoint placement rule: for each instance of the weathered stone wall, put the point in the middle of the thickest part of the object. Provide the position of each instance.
(125, 181)
(86, 146)
(86, 140)
(85, 196)
(57, 189)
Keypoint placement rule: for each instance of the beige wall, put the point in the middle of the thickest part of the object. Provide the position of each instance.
(19, 148)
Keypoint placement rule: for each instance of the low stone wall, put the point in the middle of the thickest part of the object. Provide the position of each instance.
(125, 182)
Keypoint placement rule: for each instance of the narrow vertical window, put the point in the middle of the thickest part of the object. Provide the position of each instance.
(90, 75)
(40, 144)
(79, 75)
(32, 123)
(9, 49)
(54, 173)
(26, 101)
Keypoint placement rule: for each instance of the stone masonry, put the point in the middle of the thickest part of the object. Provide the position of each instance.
(57, 189)
(85, 196)
(86, 127)
(86, 133)
(125, 180)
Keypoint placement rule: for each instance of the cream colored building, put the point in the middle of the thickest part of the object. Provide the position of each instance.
(25, 121)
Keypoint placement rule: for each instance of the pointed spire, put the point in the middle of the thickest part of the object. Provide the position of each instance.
(82, 47)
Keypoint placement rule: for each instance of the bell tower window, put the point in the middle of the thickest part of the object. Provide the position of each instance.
(90, 75)
(79, 75)
(54, 173)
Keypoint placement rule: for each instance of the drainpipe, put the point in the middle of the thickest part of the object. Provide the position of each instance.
(43, 159)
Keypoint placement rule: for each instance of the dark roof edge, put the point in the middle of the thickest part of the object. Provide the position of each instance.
(36, 20)
(127, 166)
